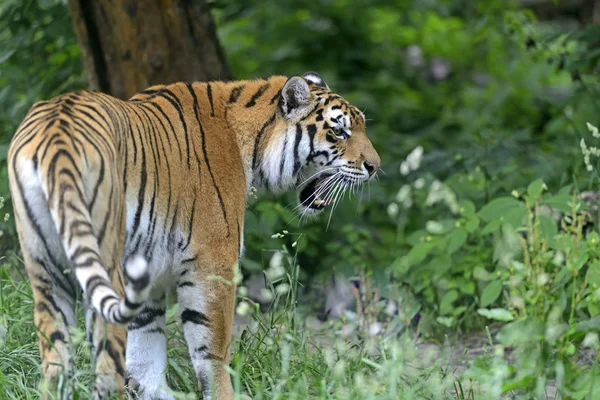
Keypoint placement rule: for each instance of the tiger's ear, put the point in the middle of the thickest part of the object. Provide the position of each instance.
(296, 100)
(315, 79)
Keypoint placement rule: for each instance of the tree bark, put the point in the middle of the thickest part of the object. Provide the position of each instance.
(583, 11)
(129, 45)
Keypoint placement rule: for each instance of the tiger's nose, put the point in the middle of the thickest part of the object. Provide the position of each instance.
(371, 167)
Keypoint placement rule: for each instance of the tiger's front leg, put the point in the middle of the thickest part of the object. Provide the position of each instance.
(206, 296)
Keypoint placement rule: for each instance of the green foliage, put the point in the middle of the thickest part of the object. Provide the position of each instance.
(461, 79)
(479, 113)
(551, 296)
(498, 103)
(39, 57)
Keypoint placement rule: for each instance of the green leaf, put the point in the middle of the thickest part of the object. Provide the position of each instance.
(535, 189)
(588, 325)
(491, 227)
(400, 266)
(520, 382)
(6, 54)
(439, 265)
(499, 314)
(490, 293)
(593, 238)
(457, 239)
(520, 332)
(593, 274)
(446, 321)
(418, 253)
(468, 288)
(562, 202)
(472, 225)
(447, 301)
(481, 274)
(593, 309)
(549, 230)
(459, 310)
(515, 217)
(575, 263)
(467, 208)
(499, 207)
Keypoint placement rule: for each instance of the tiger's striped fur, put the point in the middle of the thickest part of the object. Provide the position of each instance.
(158, 184)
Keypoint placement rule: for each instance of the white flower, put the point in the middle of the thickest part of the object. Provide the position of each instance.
(274, 273)
(590, 340)
(266, 294)
(283, 288)
(589, 151)
(276, 269)
(391, 308)
(375, 328)
(419, 183)
(434, 227)
(403, 194)
(439, 192)
(276, 260)
(414, 56)
(404, 168)
(392, 210)
(558, 258)
(415, 157)
(412, 162)
(237, 274)
(542, 279)
(243, 308)
(593, 129)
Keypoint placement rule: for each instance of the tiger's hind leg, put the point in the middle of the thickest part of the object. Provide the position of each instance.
(54, 296)
(54, 289)
(147, 351)
(53, 314)
(109, 341)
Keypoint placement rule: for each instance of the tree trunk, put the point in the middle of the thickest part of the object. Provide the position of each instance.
(129, 45)
(583, 11)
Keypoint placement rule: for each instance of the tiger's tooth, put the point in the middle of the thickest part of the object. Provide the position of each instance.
(318, 202)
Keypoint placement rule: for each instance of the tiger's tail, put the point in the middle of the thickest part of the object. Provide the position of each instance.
(82, 248)
(65, 192)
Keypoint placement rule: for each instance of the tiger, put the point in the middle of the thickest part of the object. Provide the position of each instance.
(119, 203)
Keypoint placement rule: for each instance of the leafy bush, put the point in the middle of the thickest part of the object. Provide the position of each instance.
(479, 113)
(494, 99)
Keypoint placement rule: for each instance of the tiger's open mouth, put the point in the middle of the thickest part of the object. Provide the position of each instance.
(317, 194)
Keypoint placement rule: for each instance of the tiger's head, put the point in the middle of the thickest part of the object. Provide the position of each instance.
(332, 151)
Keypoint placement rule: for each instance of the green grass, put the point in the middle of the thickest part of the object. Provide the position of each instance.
(276, 357)
(544, 343)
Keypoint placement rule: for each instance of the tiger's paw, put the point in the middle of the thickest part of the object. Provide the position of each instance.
(135, 391)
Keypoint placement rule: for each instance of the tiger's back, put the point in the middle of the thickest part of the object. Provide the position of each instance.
(158, 183)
